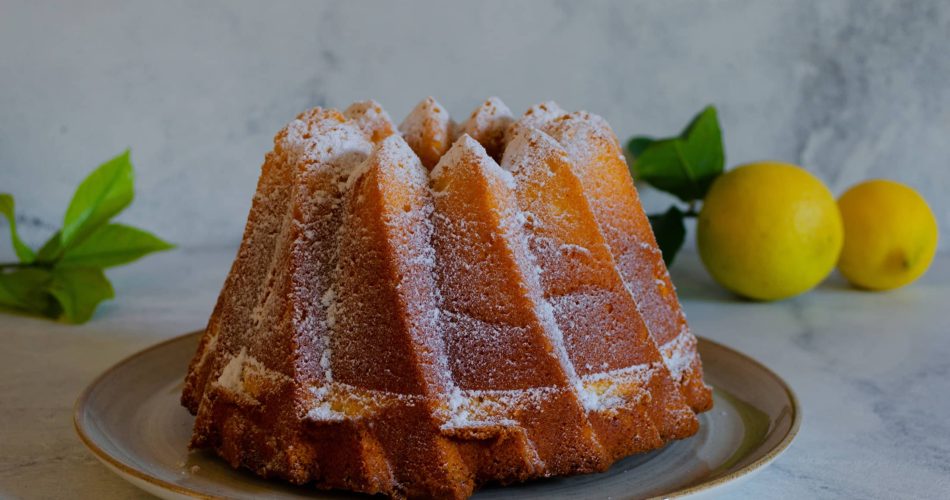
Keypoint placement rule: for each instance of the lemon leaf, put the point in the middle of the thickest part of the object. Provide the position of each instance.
(639, 144)
(113, 245)
(103, 194)
(670, 232)
(79, 292)
(8, 209)
(686, 165)
(702, 149)
(25, 290)
(51, 250)
(65, 280)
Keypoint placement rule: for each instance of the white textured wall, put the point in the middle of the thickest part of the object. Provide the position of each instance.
(850, 89)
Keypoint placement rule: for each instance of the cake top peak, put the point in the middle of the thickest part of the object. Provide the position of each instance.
(428, 130)
(535, 117)
(583, 134)
(467, 152)
(392, 151)
(321, 136)
(465, 149)
(530, 145)
(487, 125)
(492, 107)
(428, 110)
(370, 116)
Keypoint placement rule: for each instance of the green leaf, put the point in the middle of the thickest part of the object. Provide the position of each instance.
(79, 291)
(638, 145)
(635, 147)
(702, 147)
(112, 245)
(8, 208)
(65, 278)
(662, 166)
(50, 251)
(670, 232)
(25, 289)
(103, 194)
(684, 166)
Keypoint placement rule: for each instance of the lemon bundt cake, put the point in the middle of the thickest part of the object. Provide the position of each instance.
(417, 311)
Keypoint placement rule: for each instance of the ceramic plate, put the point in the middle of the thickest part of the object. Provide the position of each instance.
(132, 421)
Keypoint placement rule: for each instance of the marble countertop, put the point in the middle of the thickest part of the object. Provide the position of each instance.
(872, 372)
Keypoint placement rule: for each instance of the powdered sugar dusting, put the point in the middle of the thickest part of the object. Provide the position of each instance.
(475, 408)
(428, 131)
(211, 347)
(231, 377)
(371, 118)
(509, 181)
(339, 402)
(392, 150)
(487, 116)
(243, 377)
(679, 353)
(462, 147)
(577, 134)
(572, 248)
(531, 147)
(321, 136)
(536, 116)
(619, 388)
(395, 151)
(467, 149)
(428, 110)
(487, 125)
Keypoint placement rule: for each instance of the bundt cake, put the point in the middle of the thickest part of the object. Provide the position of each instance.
(418, 311)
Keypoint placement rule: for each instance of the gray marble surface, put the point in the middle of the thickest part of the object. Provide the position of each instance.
(872, 371)
(850, 89)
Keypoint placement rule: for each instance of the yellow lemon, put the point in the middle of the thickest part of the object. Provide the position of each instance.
(890, 235)
(769, 230)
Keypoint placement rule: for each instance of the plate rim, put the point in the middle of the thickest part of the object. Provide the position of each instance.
(770, 455)
(119, 466)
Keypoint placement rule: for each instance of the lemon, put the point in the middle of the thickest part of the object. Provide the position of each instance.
(769, 230)
(890, 235)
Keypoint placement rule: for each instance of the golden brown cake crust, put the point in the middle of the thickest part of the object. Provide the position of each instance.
(406, 316)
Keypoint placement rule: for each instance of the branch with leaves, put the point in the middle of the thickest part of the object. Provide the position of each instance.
(64, 279)
(684, 166)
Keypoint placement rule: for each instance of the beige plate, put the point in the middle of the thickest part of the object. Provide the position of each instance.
(132, 421)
